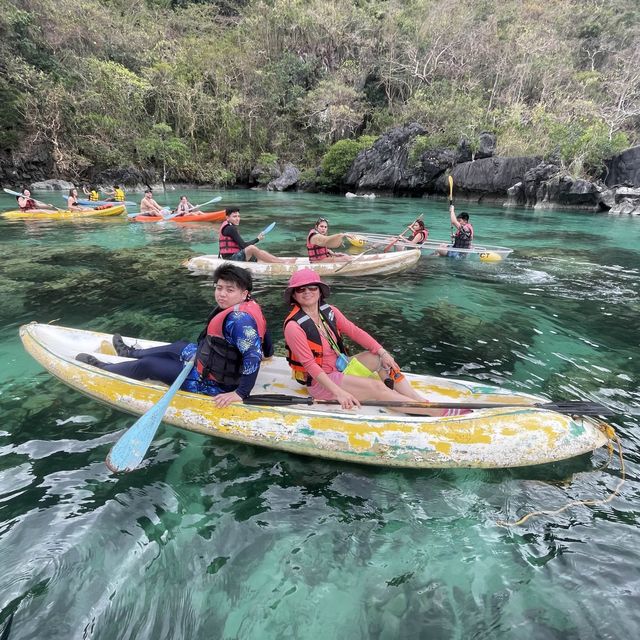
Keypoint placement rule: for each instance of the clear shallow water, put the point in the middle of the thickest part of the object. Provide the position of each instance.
(218, 540)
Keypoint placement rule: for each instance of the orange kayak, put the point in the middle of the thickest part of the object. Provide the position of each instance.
(205, 216)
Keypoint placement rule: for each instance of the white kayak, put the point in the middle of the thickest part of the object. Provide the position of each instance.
(440, 248)
(516, 434)
(363, 265)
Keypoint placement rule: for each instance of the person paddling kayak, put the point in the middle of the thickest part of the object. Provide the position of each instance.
(233, 247)
(319, 242)
(27, 203)
(462, 237)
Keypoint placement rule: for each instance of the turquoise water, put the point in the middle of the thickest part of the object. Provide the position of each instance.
(211, 539)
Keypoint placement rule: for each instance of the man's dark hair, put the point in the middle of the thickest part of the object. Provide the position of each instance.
(232, 273)
(229, 210)
(463, 216)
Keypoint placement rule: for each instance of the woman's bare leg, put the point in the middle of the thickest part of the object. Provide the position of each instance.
(403, 387)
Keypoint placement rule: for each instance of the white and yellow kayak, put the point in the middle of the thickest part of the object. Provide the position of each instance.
(510, 436)
(366, 265)
(441, 248)
(47, 214)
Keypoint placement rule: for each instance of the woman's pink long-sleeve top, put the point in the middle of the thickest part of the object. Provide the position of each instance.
(296, 338)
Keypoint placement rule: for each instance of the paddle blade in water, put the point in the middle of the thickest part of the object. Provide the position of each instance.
(128, 452)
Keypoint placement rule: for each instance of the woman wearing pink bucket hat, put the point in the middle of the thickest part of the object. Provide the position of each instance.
(313, 332)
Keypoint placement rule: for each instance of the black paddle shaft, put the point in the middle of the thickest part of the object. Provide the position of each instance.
(577, 407)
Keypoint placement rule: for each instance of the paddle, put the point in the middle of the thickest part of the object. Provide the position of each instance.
(267, 229)
(401, 236)
(577, 407)
(451, 201)
(128, 452)
(204, 204)
(21, 195)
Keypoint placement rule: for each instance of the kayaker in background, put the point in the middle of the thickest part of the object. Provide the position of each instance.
(319, 244)
(233, 247)
(462, 237)
(184, 207)
(149, 207)
(313, 332)
(420, 232)
(72, 202)
(27, 203)
(116, 194)
(228, 352)
(92, 192)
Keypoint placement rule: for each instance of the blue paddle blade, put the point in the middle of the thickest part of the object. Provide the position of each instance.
(128, 452)
(12, 193)
(267, 229)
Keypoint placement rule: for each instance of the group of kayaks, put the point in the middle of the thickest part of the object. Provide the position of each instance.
(503, 429)
(102, 211)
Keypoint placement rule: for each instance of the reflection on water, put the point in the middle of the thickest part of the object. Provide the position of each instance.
(218, 539)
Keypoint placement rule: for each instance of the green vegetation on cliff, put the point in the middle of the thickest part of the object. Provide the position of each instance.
(202, 89)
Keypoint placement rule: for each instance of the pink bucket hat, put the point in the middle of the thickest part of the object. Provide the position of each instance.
(300, 279)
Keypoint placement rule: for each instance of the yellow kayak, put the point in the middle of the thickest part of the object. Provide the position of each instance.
(515, 435)
(47, 214)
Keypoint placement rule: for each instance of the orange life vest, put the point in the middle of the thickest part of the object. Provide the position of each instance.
(313, 339)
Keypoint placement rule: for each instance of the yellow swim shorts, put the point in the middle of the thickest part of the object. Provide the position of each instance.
(356, 368)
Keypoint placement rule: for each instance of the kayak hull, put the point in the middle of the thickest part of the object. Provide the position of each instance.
(489, 438)
(378, 264)
(37, 214)
(208, 216)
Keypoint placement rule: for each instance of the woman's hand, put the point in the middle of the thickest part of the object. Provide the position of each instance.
(386, 360)
(261, 236)
(346, 400)
(225, 399)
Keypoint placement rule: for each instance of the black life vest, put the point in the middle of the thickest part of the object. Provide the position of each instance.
(463, 237)
(313, 339)
(217, 359)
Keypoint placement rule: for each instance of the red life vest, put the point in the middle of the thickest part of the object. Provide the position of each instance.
(217, 359)
(228, 246)
(313, 339)
(30, 204)
(463, 237)
(423, 234)
(316, 253)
